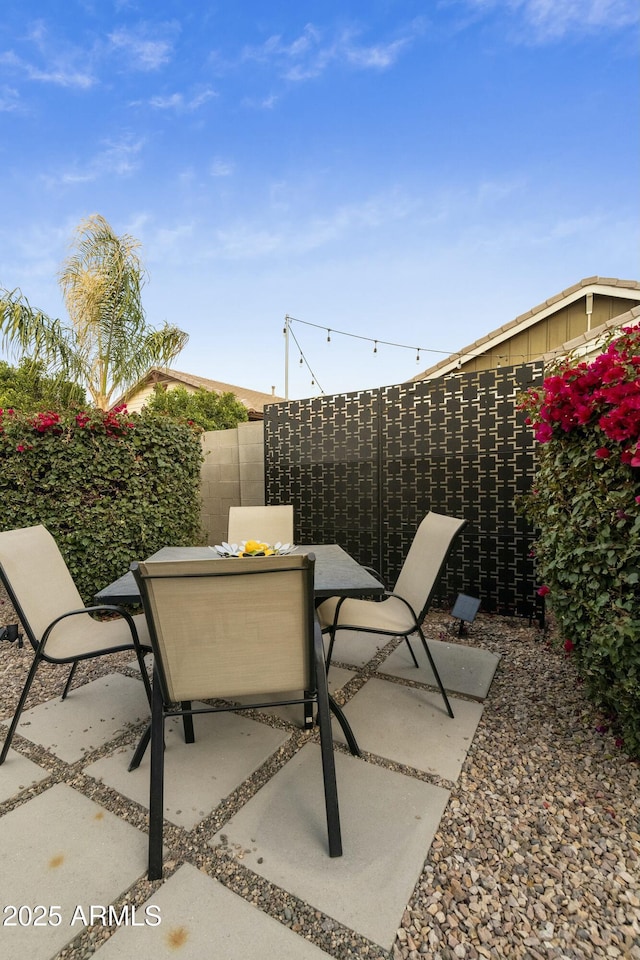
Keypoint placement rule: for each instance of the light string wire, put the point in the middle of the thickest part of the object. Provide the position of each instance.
(375, 341)
(303, 359)
(453, 354)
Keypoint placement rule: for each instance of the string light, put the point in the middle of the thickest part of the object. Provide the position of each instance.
(303, 360)
(375, 342)
(454, 356)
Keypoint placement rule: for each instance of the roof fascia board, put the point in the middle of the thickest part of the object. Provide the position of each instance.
(508, 331)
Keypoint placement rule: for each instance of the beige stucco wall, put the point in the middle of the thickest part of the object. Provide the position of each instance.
(232, 475)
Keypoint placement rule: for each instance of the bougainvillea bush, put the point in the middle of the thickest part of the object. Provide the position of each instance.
(110, 487)
(585, 504)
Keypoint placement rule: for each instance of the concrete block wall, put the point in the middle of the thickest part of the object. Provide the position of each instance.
(232, 475)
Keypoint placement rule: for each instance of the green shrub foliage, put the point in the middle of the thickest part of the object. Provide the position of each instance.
(211, 411)
(110, 487)
(585, 504)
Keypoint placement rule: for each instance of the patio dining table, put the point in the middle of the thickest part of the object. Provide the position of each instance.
(337, 574)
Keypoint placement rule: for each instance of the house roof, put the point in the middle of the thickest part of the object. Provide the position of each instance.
(606, 286)
(254, 400)
(589, 340)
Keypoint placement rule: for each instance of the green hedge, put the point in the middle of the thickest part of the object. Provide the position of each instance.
(585, 504)
(110, 487)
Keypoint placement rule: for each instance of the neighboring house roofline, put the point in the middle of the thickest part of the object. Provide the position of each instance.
(254, 400)
(605, 286)
(587, 341)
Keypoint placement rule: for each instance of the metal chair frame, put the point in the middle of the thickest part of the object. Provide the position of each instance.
(162, 707)
(416, 616)
(41, 654)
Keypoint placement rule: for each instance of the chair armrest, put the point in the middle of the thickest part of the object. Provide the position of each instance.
(375, 574)
(100, 608)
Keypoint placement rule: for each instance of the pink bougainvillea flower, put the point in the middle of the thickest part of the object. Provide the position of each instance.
(637, 499)
(544, 432)
(21, 448)
(603, 453)
(569, 646)
(543, 590)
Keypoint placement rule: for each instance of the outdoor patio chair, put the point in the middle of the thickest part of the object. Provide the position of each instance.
(223, 629)
(267, 524)
(401, 612)
(57, 623)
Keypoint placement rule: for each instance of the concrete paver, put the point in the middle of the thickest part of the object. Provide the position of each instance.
(388, 821)
(200, 918)
(61, 851)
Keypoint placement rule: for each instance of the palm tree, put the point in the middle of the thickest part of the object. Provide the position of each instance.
(109, 345)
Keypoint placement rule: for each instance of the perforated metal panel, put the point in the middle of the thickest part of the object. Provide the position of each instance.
(362, 469)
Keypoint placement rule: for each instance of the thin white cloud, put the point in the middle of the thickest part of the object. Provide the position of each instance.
(9, 100)
(549, 20)
(181, 103)
(249, 240)
(263, 103)
(221, 168)
(118, 158)
(143, 50)
(313, 51)
(57, 71)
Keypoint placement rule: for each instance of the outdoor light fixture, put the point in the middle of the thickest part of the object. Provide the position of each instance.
(464, 610)
(10, 633)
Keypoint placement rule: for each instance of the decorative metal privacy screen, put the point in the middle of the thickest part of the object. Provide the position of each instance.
(362, 469)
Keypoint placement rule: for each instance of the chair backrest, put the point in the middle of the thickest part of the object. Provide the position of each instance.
(267, 524)
(226, 628)
(425, 560)
(37, 578)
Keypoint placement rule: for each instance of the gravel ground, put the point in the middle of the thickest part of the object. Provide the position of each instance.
(537, 854)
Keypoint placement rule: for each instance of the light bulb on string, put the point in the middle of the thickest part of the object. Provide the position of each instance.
(375, 346)
(418, 355)
(328, 336)
(301, 360)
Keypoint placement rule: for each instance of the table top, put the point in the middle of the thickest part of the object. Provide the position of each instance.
(337, 574)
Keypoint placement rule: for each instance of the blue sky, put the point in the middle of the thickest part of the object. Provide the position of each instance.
(398, 170)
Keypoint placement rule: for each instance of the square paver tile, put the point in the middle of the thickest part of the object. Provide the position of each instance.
(199, 918)
(227, 750)
(91, 715)
(462, 669)
(410, 725)
(18, 773)
(61, 850)
(388, 822)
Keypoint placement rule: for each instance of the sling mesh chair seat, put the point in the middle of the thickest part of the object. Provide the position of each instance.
(58, 625)
(401, 612)
(222, 629)
(267, 524)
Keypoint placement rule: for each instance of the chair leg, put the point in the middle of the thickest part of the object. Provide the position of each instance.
(336, 709)
(139, 752)
(143, 672)
(156, 789)
(19, 708)
(413, 656)
(67, 685)
(187, 723)
(435, 673)
(328, 758)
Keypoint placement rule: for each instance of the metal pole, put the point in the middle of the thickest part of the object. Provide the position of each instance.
(286, 357)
